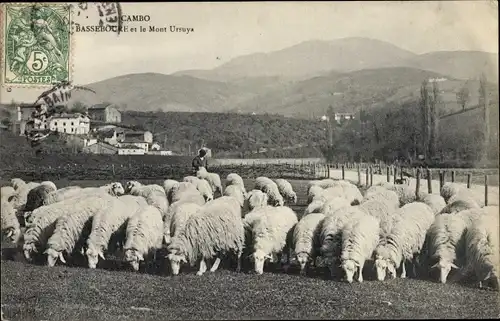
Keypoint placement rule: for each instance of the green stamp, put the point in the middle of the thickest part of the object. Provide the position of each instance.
(37, 42)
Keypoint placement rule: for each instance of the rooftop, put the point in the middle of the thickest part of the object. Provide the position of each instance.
(133, 140)
(130, 147)
(99, 106)
(64, 115)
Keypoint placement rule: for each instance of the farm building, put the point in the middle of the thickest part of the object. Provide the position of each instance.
(70, 124)
(111, 135)
(107, 113)
(134, 141)
(101, 148)
(155, 146)
(131, 150)
(143, 136)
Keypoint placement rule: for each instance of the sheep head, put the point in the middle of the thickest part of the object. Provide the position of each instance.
(28, 250)
(278, 202)
(93, 256)
(52, 256)
(133, 257)
(384, 266)
(130, 185)
(17, 183)
(11, 234)
(444, 268)
(302, 258)
(117, 189)
(349, 267)
(176, 259)
(259, 257)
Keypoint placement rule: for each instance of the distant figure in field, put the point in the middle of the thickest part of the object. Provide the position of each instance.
(200, 160)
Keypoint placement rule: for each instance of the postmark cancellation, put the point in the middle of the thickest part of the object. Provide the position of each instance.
(37, 44)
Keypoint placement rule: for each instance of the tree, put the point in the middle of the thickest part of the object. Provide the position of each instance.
(79, 107)
(484, 104)
(425, 115)
(463, 96)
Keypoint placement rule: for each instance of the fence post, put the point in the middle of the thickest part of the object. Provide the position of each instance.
(441, 180)
(469, 179)
(328, 170)
(367, 177)
(429, 181)
(343, 172)
(359, 175)
(113, 168)
(453, 176)
(388, 174)
(395, 172)
(417, 188)
(485, 190)
(371, 176)
(401, 173)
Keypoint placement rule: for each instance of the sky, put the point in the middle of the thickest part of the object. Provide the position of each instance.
(223, 31)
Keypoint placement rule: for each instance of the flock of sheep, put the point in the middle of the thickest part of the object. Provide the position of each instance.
(196, 221)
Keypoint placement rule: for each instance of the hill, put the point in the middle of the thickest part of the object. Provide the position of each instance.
(230, 134)
(349, 92)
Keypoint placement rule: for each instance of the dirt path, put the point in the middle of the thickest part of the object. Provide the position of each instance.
(478, 190)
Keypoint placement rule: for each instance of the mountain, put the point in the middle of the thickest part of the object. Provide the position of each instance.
(308, 59)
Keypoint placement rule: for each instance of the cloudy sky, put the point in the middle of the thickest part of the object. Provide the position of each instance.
(228, 30)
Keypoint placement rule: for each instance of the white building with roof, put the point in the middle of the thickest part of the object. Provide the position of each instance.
(76, 124)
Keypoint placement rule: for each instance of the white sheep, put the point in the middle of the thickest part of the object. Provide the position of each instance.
(446, 240)
(37, 195)
(359, 239)
(457, 204)
(434, 201)
(178, 214)
(236, 192)
(144, 235)
(153, 194)
(17, 183)
(235, 179)
(110, 224)
(330, 235)
(191, 179)
(204, 188)
(187, 190)
(305, 239)
(212, 178)
(6, 192)
(406, 194)
(269, 187)
(42, 224)
(384, 209)
(482, 247)
(333, 204)
(50, 184)
(341, 189)
(449, 189)
(217, 229)
(11, 229)
(314, 192)
(168, 186)
(269, 229)
(286, 190)
(379, 192)
(72, 229)
(324, 183)
(405, 241)
(19, 199)
(254, 199)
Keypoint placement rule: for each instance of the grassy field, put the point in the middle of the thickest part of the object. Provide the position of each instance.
(32, 292)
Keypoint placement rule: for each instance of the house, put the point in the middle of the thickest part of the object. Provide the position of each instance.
(155, 146)
(107, 113)
(134, 141)
(80, 141)
(100, 148)
(343, 116)
(26, 111)
(111, 135)
(145, 136)
(76, 124)
(130, 150)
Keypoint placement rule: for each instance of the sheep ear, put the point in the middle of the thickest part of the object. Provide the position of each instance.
(101, 255)
(454, 266)
(435, 266)
(9, 233)
(487, 276)
(140, 257)
(10, 198)
(356, 263)
(61, 257)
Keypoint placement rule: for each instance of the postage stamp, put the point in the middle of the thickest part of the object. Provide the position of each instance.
(37, 44)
